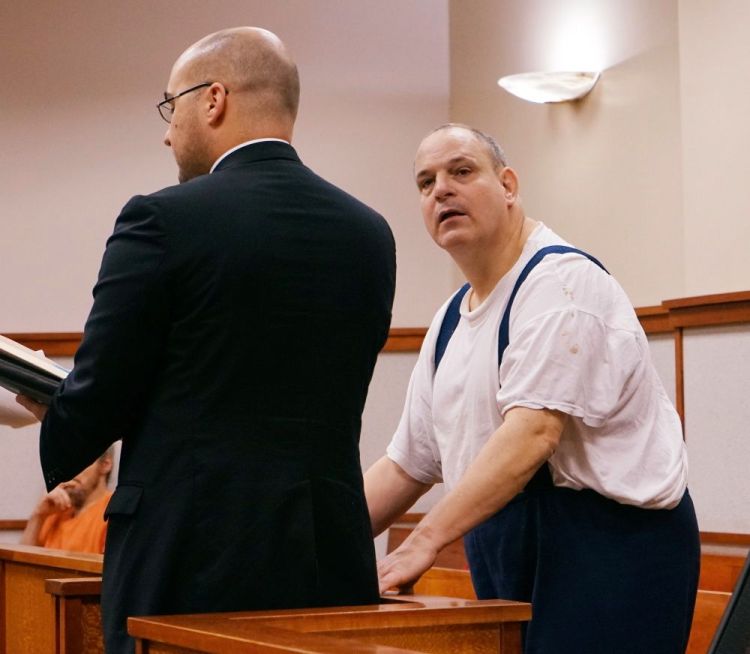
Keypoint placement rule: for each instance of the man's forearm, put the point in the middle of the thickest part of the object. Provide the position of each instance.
(502, 469)
(390, 492)
(30, 534)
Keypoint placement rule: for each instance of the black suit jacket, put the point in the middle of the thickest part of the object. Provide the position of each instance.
(236, 323)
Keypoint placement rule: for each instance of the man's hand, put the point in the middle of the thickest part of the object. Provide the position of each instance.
(39, 410)
(55, 501)
(407, 563)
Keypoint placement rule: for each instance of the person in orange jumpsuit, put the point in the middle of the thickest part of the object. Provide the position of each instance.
(71, 516)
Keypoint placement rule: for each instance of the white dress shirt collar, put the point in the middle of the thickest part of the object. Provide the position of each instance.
(242, 145)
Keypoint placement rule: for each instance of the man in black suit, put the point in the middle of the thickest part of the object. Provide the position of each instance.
(236, 323)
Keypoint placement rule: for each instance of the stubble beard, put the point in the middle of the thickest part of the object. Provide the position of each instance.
(193, 158)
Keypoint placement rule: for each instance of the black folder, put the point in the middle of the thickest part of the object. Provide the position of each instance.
(24, 371)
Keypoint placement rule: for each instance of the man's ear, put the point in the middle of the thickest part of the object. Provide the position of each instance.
(217, 99)
(509, 180)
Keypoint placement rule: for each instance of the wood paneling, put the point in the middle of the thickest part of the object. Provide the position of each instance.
(446, 582)
(724, 538)
(405, 339)
(679, 377)
(27, 612)
(709, 607)
(78, 614)
(720, 572)
(654, 320)
(709, 310)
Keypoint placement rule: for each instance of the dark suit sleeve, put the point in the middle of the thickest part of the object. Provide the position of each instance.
(119, 355)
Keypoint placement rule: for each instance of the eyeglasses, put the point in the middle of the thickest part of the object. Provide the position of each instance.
(166, 106)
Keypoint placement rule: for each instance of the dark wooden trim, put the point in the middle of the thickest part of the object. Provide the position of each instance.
(709, 310)
(74, 587)
(12, 525)
(405, 339)
(738, 297)
(699, 311)
(679, 376)
(654, 320)
(724, 538)
(49, 558)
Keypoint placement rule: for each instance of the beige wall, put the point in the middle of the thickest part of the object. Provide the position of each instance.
(80, 133)
(604, 172)
(647, 172)
(715, 98)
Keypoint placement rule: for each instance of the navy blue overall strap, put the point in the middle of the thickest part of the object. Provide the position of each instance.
(503, 337)
(449, 324)
(452, 313)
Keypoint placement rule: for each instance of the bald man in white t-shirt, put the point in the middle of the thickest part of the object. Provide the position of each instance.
(535, 401)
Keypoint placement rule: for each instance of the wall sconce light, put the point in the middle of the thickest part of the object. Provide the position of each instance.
(549, 87)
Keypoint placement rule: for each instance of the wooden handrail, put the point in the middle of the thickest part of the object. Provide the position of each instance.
(51, 558)
(698, 311)
(75, 587)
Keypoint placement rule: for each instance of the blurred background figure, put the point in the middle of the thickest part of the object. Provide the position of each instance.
(71, 515)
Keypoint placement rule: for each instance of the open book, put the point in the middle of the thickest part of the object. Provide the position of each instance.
(24, 371)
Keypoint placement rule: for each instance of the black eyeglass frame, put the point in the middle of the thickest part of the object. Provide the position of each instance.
(162, 106)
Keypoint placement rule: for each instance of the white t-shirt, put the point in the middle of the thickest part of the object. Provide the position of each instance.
(575, 346)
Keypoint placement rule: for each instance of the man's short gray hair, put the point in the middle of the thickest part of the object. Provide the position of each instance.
(492, 146)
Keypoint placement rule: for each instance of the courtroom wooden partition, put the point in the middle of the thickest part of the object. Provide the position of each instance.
(78, 620)
(28, 620)
(71, 624)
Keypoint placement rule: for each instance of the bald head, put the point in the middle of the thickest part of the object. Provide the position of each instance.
(232, 86)
(247, 60)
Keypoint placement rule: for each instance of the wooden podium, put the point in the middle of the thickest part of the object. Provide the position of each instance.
(409, 624)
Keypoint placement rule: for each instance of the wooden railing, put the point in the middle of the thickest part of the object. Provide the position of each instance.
(49, 602)
(668, 317)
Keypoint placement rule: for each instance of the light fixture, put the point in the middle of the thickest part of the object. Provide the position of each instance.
(549, 87)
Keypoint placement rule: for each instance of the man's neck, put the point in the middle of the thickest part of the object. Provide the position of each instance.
(485, 266)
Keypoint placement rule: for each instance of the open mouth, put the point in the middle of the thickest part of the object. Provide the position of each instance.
(449, 213)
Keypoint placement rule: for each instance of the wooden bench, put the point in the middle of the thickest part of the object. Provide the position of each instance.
(28, 620)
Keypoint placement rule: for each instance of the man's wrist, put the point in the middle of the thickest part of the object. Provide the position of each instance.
(427, 536)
